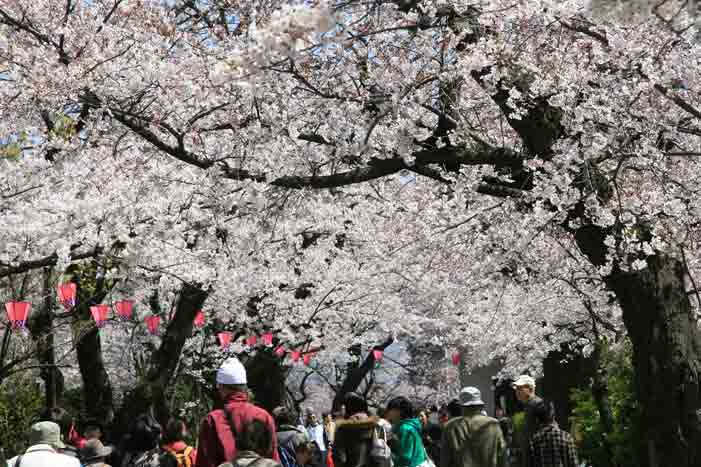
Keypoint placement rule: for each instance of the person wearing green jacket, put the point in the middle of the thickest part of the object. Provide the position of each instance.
(473, 440)
(407, 447)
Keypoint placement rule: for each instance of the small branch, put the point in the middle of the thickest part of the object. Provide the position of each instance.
(500, 191)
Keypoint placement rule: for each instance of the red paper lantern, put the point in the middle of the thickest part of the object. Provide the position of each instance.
(307, 358)
(295, 355)
(199, 319)
(17, 313)
(152, 323)
(124, 309)
(377, 355)
(280, 351)
(99, 314)
(66, 294)
(268, 338)
(224, 339)
(251, 341)
(456, 359)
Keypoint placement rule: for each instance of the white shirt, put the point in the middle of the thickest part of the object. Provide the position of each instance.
(316, 433)
(41, 455)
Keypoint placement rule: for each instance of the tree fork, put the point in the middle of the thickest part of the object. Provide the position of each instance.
(165, 359)
(355, 377)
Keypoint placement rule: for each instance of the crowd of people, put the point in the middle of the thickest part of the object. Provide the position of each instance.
(241, 434)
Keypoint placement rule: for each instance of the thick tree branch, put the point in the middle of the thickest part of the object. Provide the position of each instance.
(6, 270)
(356, 376)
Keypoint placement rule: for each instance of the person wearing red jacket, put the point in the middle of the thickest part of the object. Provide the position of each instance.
(217, 441)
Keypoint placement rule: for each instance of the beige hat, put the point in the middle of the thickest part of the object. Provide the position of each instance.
(94, 451)
(470, 396)
(46, 433)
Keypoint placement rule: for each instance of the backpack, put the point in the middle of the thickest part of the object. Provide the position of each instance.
(182, 458)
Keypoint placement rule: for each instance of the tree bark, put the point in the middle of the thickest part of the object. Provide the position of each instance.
(41, 328)
(657, 314)
(266, 378)
(97, 389)
(356, 376)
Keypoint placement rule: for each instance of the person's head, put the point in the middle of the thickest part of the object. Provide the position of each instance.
(311, 419)
(92, 430)
(283, 416)
(524, 386)
(355, 404)
(443, 416)
(175, 431)
(454, 408)
(471, 399)
(60, 417)
(231, 378)
(399, 408)
(499, 412)
(144, 433)
(255, 436)
(544, 413)
(328, 418)
(94, 452)
(46, 433)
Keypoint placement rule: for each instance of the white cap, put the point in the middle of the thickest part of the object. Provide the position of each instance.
(231, 372)
(524, 380)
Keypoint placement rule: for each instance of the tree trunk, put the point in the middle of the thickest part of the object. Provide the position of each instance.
(97, 389)
(41, 328)
(657, 314)
(356, 376)
(266, 378)
(152, 393)
(563, 371)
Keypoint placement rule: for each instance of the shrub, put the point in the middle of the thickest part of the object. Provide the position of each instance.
(21, 402)
(626, 415)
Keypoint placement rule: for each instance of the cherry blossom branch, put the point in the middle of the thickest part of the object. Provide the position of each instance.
(26, 26)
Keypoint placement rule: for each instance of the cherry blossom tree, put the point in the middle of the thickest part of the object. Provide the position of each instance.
(477, 166)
